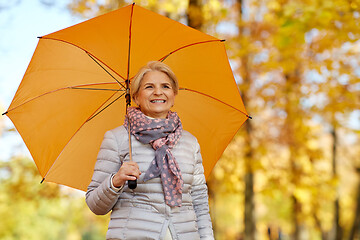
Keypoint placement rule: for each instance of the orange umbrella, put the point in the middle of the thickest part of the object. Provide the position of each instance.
(74, 89)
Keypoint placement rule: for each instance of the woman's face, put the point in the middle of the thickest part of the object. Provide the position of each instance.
(156, 94)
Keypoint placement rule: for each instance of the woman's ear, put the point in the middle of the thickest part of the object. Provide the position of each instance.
(136, 100)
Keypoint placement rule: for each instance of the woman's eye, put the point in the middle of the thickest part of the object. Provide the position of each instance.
(147, 87)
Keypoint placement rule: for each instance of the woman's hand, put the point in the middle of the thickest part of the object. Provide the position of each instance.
(127, 171)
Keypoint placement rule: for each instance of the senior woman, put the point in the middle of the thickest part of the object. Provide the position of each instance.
(171, 199)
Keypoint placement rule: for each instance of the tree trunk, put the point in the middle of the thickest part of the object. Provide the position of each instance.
(194, 14)
(292, 82)
(356, 223)
(249, 220)
(337, 231)
(296, 206)
(318, 225)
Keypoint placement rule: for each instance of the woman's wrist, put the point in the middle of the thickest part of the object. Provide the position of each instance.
(115, 186)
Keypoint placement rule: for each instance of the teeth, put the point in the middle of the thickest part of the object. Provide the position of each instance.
(157, 101)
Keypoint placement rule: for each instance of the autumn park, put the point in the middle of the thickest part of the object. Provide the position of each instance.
(290, 172)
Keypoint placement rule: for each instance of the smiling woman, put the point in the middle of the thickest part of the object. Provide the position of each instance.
(171, 199)
(155, 87)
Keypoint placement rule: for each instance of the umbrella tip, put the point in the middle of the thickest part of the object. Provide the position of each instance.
(133, 3)
(222, 40)
(249, 116)
(39, 37)
(4, 113)
(42, 180)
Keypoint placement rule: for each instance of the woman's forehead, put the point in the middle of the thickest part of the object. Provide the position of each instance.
(155, 77)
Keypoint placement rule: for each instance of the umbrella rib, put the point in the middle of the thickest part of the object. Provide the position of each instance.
(94, 59)
(127, 81)
(92, 116)
(130, 27)
(206, 95)
(60, 89)
(88, 53)
(189, 45)
(102, 89)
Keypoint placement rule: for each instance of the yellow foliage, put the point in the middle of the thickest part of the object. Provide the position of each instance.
(297, 65)
(31, 210)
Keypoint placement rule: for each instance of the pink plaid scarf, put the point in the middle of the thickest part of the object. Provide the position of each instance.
(162, 135)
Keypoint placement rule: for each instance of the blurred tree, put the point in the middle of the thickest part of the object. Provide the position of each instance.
(89, 8)
(31, 210)
(276, 53)
(246, 35)
(295, 62)
(337, 85)
(194, 14)
(174, 9)
(296, 23)
(355, 229)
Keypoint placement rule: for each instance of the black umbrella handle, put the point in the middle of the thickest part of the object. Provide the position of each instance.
(132, 184)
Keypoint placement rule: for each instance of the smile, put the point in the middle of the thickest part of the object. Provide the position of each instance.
(157, 101)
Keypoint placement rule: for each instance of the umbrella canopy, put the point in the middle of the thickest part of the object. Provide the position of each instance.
(73, 89)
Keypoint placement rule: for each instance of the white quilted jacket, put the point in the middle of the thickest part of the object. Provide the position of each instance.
(142, 213)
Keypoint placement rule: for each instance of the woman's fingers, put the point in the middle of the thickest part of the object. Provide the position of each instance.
(127, 171)
(131, 168)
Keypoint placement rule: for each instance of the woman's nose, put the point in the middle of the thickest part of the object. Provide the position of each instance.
(157, 90)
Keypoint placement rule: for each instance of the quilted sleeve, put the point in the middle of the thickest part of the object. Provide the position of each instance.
(199, 195)
(100, 197)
